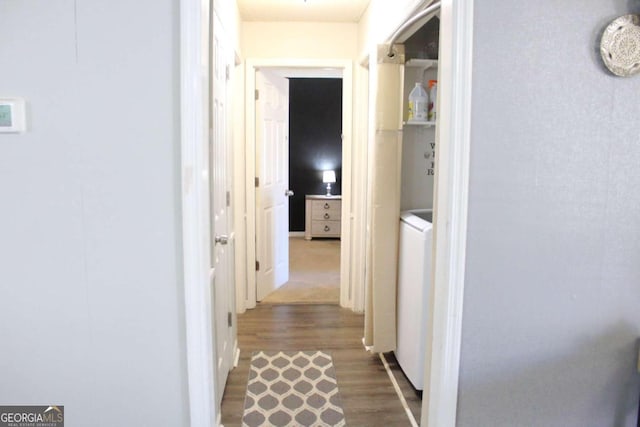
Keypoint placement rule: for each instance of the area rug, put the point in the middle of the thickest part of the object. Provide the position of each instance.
(292, 388)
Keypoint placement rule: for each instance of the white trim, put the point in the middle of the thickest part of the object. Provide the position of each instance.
(396, 387)
(194, 42)
(238, 203)
(346, 292)
(359, 210)
(296, 234)
(440, 398)
(346, 66)
(250, 191)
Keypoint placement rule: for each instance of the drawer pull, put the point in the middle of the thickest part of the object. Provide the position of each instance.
(326, 228)
(326, 206)
(327, 216)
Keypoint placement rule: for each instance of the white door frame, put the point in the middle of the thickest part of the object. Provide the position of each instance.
(194, 85)
(221, 214)
(453, 142)
(252, 65)
(440, 399)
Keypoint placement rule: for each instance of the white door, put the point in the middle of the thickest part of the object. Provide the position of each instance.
(221, 241)
(272, 192)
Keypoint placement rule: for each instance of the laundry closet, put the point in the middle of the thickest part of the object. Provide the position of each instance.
(419, 136)
(417, 197)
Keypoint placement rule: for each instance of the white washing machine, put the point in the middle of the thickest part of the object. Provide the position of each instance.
(414, 276)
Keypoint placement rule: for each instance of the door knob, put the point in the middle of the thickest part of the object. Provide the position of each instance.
(222, 239)
(288, 193)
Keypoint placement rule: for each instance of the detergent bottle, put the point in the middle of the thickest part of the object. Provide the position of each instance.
(433, 95)
(418, 104)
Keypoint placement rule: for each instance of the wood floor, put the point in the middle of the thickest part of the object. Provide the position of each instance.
(367, 394)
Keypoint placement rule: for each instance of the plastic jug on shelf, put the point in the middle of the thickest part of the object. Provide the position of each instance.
(418, 104)
(433, 95)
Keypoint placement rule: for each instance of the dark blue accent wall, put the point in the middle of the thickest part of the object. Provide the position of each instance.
(315, 143)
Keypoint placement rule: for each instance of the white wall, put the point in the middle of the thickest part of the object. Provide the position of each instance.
(381, 19)
(552, 294)
(91, 289)
(325, 40)
(417, 185)
(229, 15)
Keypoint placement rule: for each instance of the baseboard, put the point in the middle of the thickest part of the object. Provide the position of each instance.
(368, 348)
(296, 234)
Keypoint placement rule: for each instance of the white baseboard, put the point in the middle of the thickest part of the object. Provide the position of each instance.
(368, 348)
(296, 234)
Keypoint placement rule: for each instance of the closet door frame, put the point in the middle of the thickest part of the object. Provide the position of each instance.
(451, 198)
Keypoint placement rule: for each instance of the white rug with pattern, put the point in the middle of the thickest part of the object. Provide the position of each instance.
(292, 388)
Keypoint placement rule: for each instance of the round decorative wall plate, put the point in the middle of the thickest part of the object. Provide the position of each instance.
(620, 46)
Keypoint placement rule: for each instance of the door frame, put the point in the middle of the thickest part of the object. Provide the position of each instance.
(252, 65)
(442, 364)
(440, 401)
(222, 285)
(194, 115)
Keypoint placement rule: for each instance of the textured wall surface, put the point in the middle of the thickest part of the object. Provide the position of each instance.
(90, 278)
(552, 295)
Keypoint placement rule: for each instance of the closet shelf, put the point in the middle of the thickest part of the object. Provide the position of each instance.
(424, 64)
(424, 124)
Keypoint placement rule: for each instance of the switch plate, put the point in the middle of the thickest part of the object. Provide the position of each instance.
(12, 115)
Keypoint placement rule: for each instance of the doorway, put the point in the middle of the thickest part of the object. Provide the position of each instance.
(296, 69)
(449, 256)
(315, 146)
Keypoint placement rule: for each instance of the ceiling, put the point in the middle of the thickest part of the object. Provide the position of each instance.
(301, 10)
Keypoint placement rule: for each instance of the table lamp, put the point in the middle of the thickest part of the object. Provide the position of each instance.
(329, 177)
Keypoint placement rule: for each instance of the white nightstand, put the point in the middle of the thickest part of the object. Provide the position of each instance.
(322, 216)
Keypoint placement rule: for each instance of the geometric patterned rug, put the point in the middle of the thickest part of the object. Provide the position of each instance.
(292, 388)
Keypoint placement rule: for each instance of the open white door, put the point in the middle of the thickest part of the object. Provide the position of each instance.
(272, 192)
(221, 248)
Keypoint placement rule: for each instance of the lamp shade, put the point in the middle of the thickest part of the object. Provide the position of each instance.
(329, 176)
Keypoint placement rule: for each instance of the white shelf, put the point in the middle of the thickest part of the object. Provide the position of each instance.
(424, 64)
(424, 124)
(419, 67)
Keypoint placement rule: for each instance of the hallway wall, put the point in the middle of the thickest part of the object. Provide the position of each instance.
(552, 295)
(381, 19)
(299, 40)
(91, 295)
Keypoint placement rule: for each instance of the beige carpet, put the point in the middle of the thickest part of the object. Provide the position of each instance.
(314, 273)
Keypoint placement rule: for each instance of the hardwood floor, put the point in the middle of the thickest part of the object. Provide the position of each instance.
(367, 394)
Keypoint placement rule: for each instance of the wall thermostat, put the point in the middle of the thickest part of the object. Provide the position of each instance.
(12, 115)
